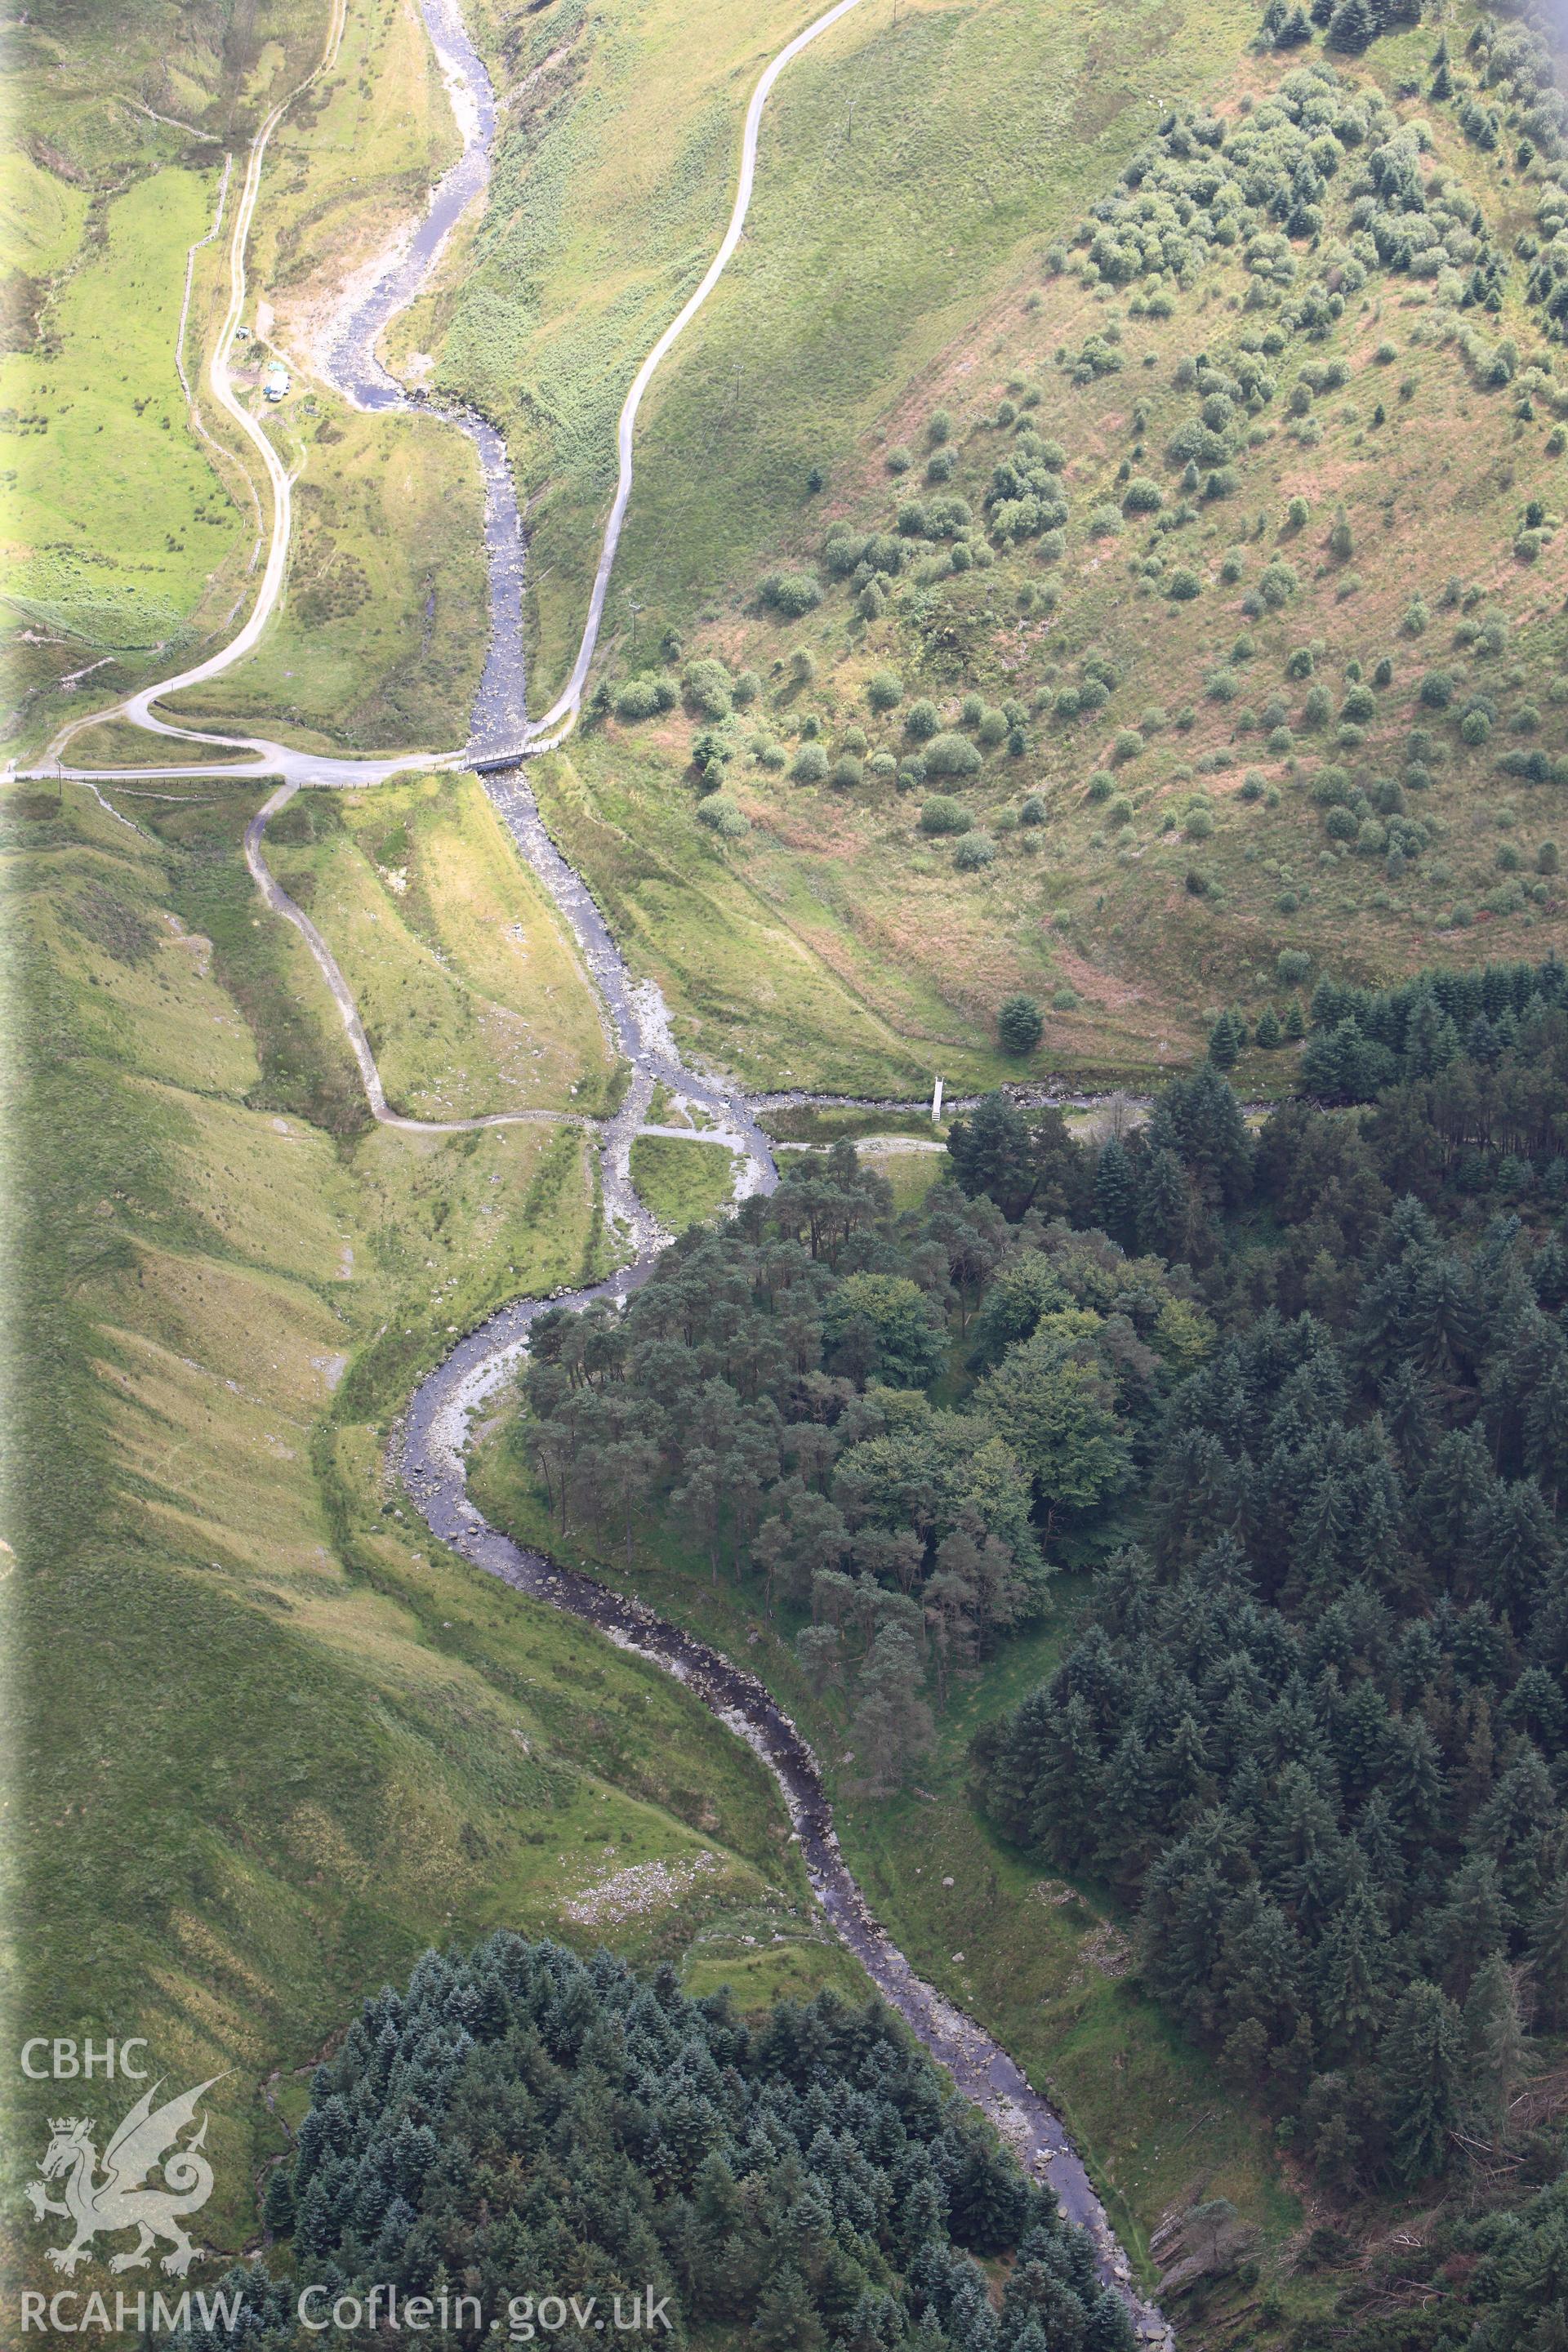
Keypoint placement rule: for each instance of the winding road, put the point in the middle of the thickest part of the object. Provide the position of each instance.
(137, 709)
(434, 1435)
(562, 712)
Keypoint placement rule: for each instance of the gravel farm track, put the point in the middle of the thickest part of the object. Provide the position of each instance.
(433, 1433)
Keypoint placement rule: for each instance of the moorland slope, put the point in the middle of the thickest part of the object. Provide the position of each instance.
(1189, 623)
(274, 1740)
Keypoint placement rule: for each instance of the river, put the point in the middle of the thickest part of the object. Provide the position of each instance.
(433, 1436)
(431, 1443)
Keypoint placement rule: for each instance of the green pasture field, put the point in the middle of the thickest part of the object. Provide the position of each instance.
(132, 533)
(683, 1183)
(381, 638)
(911, 1174)
(118, 531)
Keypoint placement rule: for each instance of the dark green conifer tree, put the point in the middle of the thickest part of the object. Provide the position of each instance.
(278, 2205)
(1226, 1039)
(1422, 2071)
(1116, 1193)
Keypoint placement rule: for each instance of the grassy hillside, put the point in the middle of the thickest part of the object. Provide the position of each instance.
(778, 965)
(381, 637)
(83, 69)
(908, 161)
(1221, 536)
(131, 527)
(119, 533)
(350, 163)
(611, 186)
(273, 1741)
(115, 323)
(472, 996)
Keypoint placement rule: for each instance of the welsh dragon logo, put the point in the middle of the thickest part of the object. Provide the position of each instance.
(121, 2199)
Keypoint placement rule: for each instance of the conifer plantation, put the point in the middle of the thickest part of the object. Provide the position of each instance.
(1296, 1392)
(522, 2120)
